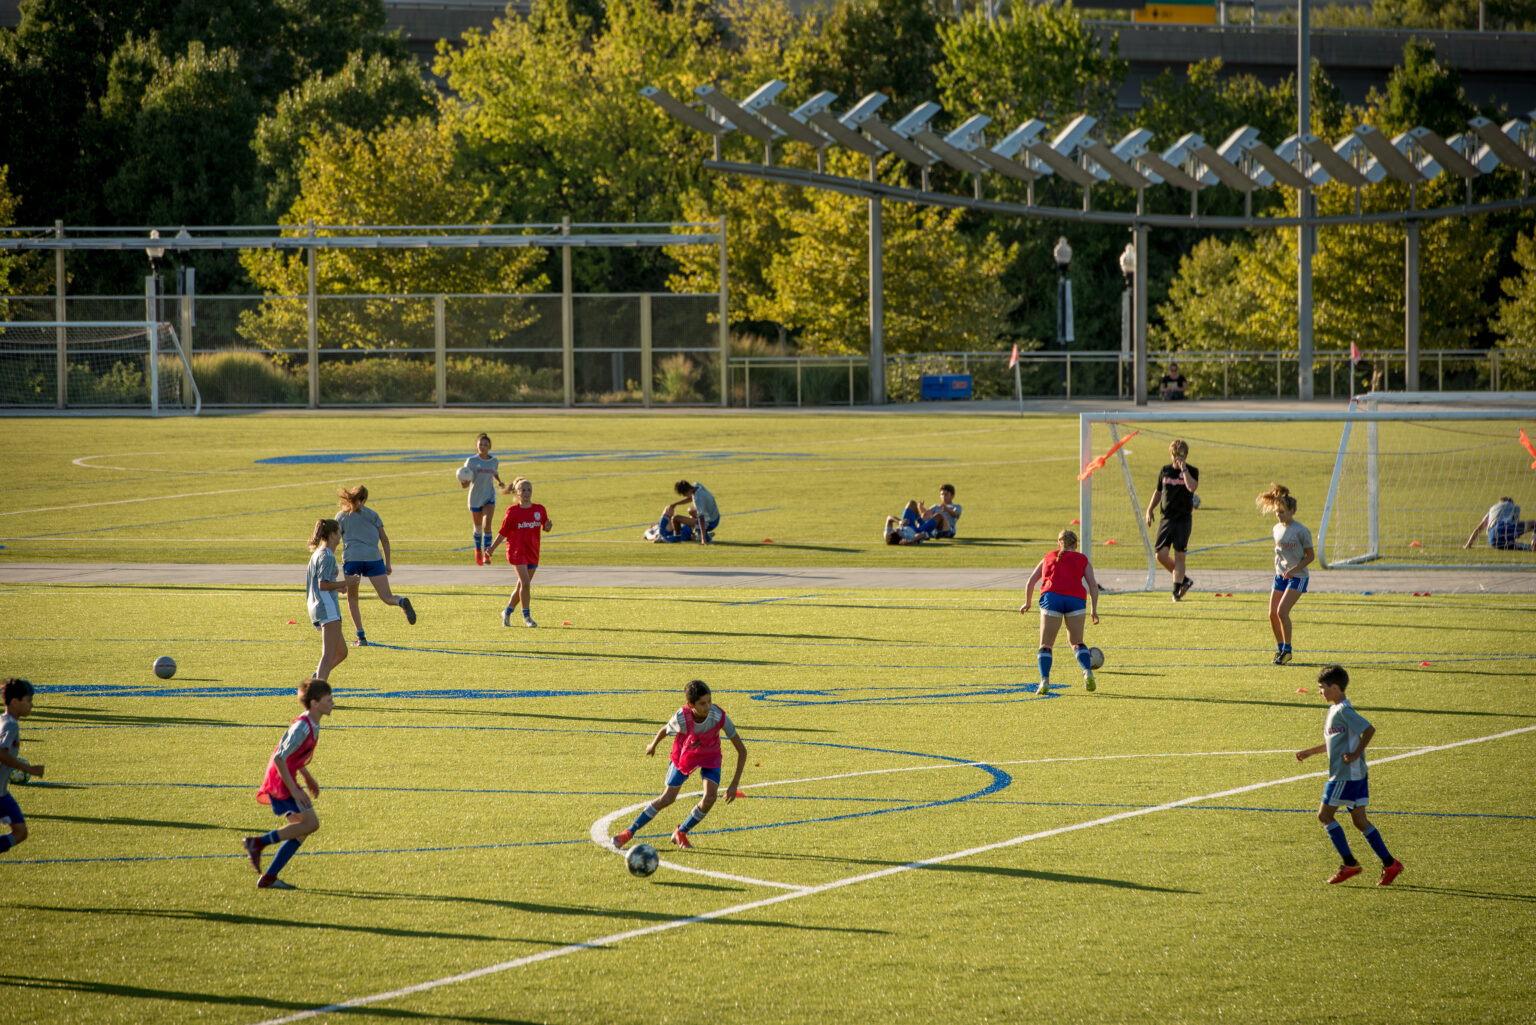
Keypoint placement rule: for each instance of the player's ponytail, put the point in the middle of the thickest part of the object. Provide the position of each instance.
(1067, 540)
(353, 500)
(1278, 496)
(324, 528)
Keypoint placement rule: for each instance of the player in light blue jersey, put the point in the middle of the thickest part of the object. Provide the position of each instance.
(703, 513)
(18, 705)
(365, 553)
(1504, 526)
(322, 581)
(1294, 552)
(482, 496)
(1345, 736)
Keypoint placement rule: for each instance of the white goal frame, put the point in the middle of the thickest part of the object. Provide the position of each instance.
(160, 335)
(1346, 418)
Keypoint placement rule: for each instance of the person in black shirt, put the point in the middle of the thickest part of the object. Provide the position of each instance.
(1175, 492)
(1171, 387)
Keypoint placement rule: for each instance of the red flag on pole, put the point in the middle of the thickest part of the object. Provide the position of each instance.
(1013, 360)
(1354, 353)
(1528, 446)
(1097, 463)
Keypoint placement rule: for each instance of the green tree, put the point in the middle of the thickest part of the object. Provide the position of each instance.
(1499, 15)
(888, 46)
(408, 172)
(1516, 318)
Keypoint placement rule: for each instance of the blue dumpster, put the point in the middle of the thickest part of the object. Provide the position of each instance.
(946, 386)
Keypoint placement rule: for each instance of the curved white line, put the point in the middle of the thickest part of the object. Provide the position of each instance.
(599, 835)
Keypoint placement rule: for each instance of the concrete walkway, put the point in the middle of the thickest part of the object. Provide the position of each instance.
(800, 580)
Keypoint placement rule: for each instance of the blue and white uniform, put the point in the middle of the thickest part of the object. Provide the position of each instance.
(10, 740)
(483, 491)
(360, 549)
(708, 511)
(1504, 526)
(1347, 785)
(1291, 542)
(323, 606)
(953, 512)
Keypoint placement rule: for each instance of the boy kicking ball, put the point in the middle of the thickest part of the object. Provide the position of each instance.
(696, 730)
(1345, 735)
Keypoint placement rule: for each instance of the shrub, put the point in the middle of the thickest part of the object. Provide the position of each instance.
(243, 377)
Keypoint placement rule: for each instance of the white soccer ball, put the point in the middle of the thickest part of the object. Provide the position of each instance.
(19, 777)
(465, 475)
(1096, 658)
(165, 667)
(642, 860)
(1194, 500)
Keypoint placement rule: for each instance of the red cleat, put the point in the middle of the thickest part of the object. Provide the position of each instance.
(1390, 873)
(681, 839)
(479, 557)
(253, 846)
(620, 839)
(1345, 872)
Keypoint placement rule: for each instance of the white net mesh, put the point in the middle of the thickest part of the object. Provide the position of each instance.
(106, 364)
(1408, 493)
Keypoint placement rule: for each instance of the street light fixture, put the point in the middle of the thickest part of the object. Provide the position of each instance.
(1063, 256)
(1128, 275)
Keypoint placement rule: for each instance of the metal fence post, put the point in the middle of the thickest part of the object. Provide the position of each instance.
(724, 313)
(312, 319)
(60, 333)
(151, 304)
(440, 343)
(567, 322)
(646, 373)
(1069, 375)
(188, 323)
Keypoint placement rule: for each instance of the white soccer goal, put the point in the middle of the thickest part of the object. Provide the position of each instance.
(1398, 488)
(95, 364)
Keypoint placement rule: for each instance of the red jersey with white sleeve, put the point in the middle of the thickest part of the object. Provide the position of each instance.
(697, 744)
(1063, 572)
(522, 527)
(296, 748)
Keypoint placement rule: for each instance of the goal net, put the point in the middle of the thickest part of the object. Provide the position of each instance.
(95, 365)
(1388, 487)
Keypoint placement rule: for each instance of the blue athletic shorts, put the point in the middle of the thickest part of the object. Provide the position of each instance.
(1505, 535)
(10, 811)
(364, 568)
(1062, 605)
(1347, 793)
(676, 777)
(709, 528)
(1293, 584)
(286, 806)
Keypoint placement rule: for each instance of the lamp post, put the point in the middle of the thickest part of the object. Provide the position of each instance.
(152, 284)
(1063, 256)
(1128, 275)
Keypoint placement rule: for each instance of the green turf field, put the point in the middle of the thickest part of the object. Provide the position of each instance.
(467, 768)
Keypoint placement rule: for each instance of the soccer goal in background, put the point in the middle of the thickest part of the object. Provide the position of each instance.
(106, 364)
(1385, 487)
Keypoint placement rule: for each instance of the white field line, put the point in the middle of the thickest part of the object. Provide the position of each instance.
(736, 909)
(599, 834)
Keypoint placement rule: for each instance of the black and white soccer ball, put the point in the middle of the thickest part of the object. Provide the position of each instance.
(19, 776)
(642, 860)
(1096, 658)
(165, 667)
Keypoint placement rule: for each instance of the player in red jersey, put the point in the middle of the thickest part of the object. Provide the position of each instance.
(521, 528)
(1068, 593)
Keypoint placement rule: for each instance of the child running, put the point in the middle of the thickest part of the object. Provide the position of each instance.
(522, 526)
(1293, 553)
(1345, 735)
(1067, 587)
(482, 496)
(320, 586)
(18, 705)
(365, 553)
(280, 790)
(696, 730)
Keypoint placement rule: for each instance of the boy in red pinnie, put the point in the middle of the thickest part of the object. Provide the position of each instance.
(281, 790)
(696, 730)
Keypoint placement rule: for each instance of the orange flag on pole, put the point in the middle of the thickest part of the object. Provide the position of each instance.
(1097, 463)
(1354, 353)
(1528, 446)
(1013, 360)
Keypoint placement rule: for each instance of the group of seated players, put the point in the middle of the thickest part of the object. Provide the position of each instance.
(918, 523)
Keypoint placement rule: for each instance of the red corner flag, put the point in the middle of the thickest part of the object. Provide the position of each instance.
(1528, 446)
(1097, 463)
(1013, 360)
(1354, 353)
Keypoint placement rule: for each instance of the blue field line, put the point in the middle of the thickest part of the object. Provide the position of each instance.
(795, 597)
(469, 790)
(1280, 811)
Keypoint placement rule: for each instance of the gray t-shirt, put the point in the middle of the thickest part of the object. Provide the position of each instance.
(1290, 544)
(483, 491)
(1501, 511)
(10, 740)
(360, 535)
(704, 502)
(323, 606)
(1341, 732)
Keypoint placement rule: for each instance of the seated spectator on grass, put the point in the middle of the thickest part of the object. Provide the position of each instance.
(911, 528)
(1171, 387)
(672, 527)
(946, 507)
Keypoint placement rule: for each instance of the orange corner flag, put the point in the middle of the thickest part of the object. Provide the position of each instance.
(1528, 446)
(1097, 463)
(1013, 360)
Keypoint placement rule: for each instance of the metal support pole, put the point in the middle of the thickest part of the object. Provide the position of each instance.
(312, 322)
(725, 322)
(60, 333)
(188, 319)
(646, 373)
(876, 305)
(1411, 309)
(440, 345)
(1306, 234)
(1140, 283)
(151, 305)
(567, 322)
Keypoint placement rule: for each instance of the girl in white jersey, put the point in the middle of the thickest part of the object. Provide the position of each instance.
(1293, 553)
(320, 586)
(482, 496)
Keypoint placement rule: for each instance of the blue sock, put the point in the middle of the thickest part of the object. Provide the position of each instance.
(1336, 834)
(1279, 647)
(694, 818)
(646, 814)
(286, 851)
(1045, 663)
(1285, 647)
(509, 607)
(1378, 845)
(527, 613)
(271, 837)
(7, 842)
(1083, 659)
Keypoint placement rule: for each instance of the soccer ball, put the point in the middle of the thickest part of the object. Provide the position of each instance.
(165, 667)
(465, 475)
(642, 860)
(1194, 500)
(1096, 658)
(18, 776)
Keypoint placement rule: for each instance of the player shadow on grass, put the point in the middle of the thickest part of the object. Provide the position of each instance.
(113, 989)
(1301, 702)
(231, 918)
(607, 720)
(65, 713)
(1020, 873)
(150, 823)
(1462, 893)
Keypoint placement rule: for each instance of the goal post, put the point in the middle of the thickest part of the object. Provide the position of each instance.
(100, 364)
(1395, 488)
